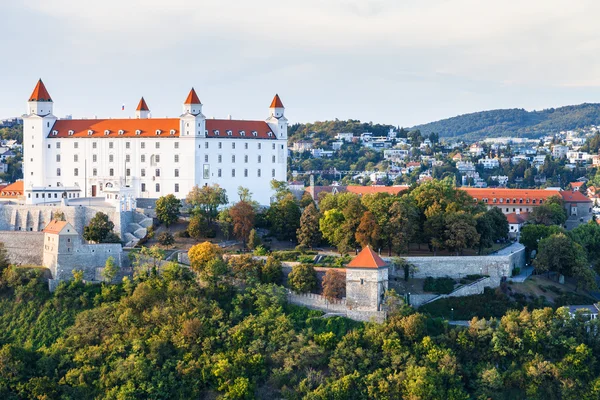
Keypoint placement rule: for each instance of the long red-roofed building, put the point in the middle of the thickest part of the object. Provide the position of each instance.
(145, 157)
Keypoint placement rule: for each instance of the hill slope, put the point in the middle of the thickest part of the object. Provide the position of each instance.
(515, 122)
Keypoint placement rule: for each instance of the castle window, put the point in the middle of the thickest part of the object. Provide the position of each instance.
(157, 172)
(127, 157)
(258, 173)
(107, 132)
(246, 146)
(54, 133)
(143, 172)
(176, 157)
(111, 145)
(57, 171)
(157, 145)
(58, 145)
(127, 145)
(111, 172)
(94, 172)
(71, 132)
(157, 187)
(143, 187)
(229, 133)
(158, 132)
(111, 158)
(76, 158)
(233, 158)
(176, 173)
(220, 145)
(177, 188)
(206, 158)
(233, 173)
(138, 132)
(127, 172)
(270, 134)
(273, 145)
(246, 158)
(76, 145)
(176, 145)
(254, 133)
(49, 146)
(272, 158)
(219, 158)
(94, 157)
(143, 158)
(245, 173)
(259, 146)
(94, 145)
(76, 172)
(121, 131)
(362, 281)
(206, 145)
(242, 133)
(259, 159)
(157, 158)
(273, 173)
(219, 172)
(58, 158)
(216, 132)
(233, 145)
(90, 132)
(172, 131)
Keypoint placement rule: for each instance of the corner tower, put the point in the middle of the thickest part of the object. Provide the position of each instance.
(37, 126)
(277, 120)
(142, 111)
(366, 282)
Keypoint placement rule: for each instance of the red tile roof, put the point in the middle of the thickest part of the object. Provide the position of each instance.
(149, 127)
(40, 93)
(54, 227)
(576, 185)
(514, 218)
(13, 190)
(142, 106)
(276, 103)
(192, 98)
(367, 258)
(574, 197)
(513, 195)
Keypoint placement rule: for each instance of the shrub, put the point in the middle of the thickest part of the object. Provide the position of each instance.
(303, 278)
(334, 284)
(306, 259)
(516, 271)
(473, 277)
(183, 234)
(438, 285)
(261, 251)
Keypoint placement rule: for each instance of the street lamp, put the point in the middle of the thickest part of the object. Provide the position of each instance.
(452, 314)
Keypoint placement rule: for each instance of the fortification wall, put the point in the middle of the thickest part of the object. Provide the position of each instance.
(86, 257)
(317, 302)
(34, 218)
(23, 247)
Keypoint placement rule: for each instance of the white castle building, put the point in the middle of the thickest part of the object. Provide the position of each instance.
(149, 157)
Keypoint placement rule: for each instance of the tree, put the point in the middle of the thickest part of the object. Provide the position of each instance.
(308, 234)
(334, 284)
(167, 209)
(206, 200)
(532, 234)
(99, 229)
(245, 194)
(4, 260)
(58, 216)
(198, 226)
(551, 213)
(283, 217)
(110, 270)
(588, 236)
(402, 226)
(166, 239)
(330, 226)
(225, 223)
(303, 278)
(253, 240)
(461, 231)
(271, 271)
(201, 254)
(368, 231)
(242, 216)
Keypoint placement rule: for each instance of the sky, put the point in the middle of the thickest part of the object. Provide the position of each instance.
(400, 62)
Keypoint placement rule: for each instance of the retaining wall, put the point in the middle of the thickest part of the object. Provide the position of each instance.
(23, 248)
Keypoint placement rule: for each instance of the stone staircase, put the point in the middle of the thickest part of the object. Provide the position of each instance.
(136, 230)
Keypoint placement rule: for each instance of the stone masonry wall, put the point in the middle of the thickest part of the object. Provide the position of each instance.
(23, 248)
(317, 302)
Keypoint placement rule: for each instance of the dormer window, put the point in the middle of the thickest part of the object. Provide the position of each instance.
(242, 133)
(216, 132)
(71, 132)
(172, 131)
(55, 133)
(158, 132)
(121, 131)
(229, 133)
(107, 132)
(254, 133)
(138, 132)
(90, 132)
(270, 134)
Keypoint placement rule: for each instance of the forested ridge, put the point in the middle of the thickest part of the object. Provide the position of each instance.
(171, 336)
(472, 126)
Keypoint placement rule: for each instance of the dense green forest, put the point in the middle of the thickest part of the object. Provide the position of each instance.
(515, 122)
(172, 336)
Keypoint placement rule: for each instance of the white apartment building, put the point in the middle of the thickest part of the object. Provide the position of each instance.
(577, 156)
(489, 163)
(149, 157)
(345, 136)
(559, 151)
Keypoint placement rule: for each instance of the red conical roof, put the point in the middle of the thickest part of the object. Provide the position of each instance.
(142, 106)
(276, 103)
(40, 93)
(367, 258)
(192, 98)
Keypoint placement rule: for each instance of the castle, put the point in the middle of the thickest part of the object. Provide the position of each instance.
(149, 157)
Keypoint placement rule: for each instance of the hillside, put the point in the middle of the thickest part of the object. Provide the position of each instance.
(515, 122)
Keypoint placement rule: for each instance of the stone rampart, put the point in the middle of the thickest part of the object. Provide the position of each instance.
(317, 302)
(476, 287)
(23, 248)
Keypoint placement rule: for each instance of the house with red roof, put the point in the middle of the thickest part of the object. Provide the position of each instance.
(146, 157)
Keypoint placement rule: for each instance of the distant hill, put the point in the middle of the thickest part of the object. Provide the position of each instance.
(515, 122)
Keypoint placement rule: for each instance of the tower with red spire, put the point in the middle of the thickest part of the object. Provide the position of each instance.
(40, 102)
(277, 120)
(142, 111)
